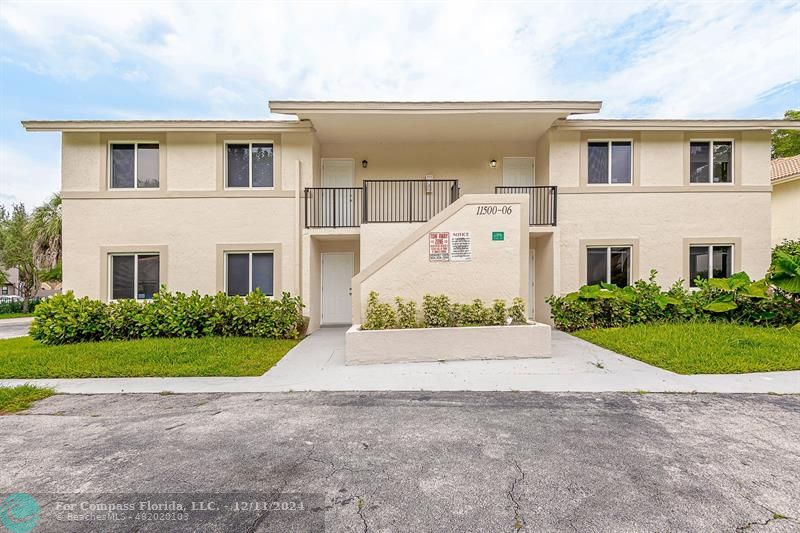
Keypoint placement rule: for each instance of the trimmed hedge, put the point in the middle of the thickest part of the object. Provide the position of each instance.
(439, 312)
(15, 306)
(64, 319)
(736, 299)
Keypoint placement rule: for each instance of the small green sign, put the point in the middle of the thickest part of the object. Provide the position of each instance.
(498, 236)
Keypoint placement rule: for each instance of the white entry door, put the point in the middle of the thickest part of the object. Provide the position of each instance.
(518, 171)
(337, 273)
(339, 204)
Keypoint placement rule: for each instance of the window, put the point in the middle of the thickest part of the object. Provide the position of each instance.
(134, 165)
(610, 162)
(709, 261)
(249, 164)
(609, 264)
(710, 162)
(134, 276)
(248, 271)
(5, 291)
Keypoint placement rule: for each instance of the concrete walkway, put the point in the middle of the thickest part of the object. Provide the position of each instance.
(317, 364)
(14, 327)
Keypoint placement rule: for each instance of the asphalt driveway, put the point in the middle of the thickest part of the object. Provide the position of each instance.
(420, 461)
(14, 327)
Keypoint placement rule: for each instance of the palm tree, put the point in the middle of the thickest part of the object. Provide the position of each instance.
(45, 224)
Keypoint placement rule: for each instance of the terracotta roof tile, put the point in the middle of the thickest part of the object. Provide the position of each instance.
(785, 167)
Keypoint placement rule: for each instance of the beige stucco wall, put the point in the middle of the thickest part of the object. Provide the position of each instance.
(786, 211)
(660, 158)
(190, 230)
(192, 163)
(498, 269)
(377, 239)
(468, 162)
(657, 224)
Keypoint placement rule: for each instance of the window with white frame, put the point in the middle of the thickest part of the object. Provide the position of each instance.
(711, 162)
(608, 264)
(134, 165)
(709, 261)
(134, 276)
(5, 291)
(248, 271)
(610, 162)
(249, 164)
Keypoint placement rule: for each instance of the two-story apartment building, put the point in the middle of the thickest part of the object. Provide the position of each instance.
(474, 199)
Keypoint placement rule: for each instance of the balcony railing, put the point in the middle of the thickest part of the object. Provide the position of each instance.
(333, 207)
(543, 202)
(407, 200)
(378, 201)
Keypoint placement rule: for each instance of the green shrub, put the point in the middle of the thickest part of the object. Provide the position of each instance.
(380, 315)
(735, 299)
(15, 306)
(64, 319)
(498, 315)
(473, 314)
(517, 311)
(788, 247)
(406, 313)
(437, 312)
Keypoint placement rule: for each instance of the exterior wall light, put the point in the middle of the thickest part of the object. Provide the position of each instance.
(493, 163)
(364, 163)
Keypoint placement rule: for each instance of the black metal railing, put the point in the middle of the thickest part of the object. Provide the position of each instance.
(406, 200)
(333, 207)
(543, 204)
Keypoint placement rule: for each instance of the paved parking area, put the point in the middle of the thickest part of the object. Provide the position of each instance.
(14, 327)
(427, 461)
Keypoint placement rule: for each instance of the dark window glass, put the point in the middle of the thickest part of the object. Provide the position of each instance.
(620, 162)
(122, 165)
(699, 160)
(620, 266)
(238, 165)
(598, 162)
(263, 272)
(122, 276)
(722, 162)
(147, 166)
(5, 290)
(722, 261)
(238, 274)
(262, 165)
(698, 263)
(147, 278)
(596, 265)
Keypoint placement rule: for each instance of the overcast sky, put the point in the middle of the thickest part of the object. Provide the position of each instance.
(114, 60)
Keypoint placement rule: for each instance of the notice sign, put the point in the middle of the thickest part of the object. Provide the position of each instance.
(439, 246)
(460, 246)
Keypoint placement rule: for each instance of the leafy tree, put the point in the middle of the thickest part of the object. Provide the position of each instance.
(16, 250)
(45, 223)
(786, 143)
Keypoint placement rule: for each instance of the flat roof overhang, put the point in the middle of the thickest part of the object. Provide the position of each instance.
(345, 122)
(108, 126)
(675, 125)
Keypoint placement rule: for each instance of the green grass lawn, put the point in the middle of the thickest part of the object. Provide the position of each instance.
(14, 315)
(13, 399)
(703, 348)
(210, 356)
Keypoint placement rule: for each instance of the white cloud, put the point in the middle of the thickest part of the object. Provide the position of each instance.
(26, 179)
(226, 59)
(710, 58)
